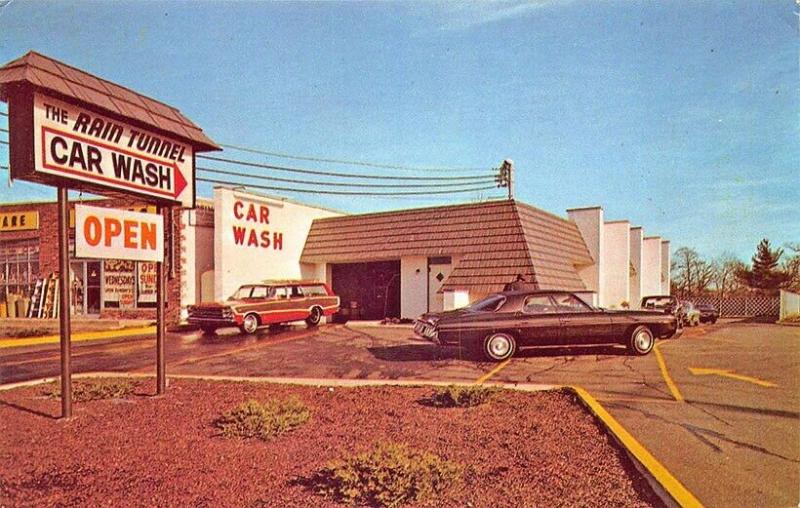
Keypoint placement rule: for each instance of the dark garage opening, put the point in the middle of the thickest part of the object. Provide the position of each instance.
(368, 290)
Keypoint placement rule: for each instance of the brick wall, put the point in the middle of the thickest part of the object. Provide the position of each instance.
(47, 235)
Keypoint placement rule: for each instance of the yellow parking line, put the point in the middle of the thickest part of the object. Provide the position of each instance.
(492, 372)
(671, 484)
(665, 374)
(77, 337)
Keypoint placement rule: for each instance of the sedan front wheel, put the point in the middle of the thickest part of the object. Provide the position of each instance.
(499, 346)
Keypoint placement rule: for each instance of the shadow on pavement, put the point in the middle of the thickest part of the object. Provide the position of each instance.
(28, 410)
(415, 353)
(551, 351)
(744, 409)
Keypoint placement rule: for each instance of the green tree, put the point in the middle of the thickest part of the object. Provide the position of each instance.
(765, 273)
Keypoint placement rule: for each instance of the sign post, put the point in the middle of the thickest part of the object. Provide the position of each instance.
(161, 365)
(64, 302)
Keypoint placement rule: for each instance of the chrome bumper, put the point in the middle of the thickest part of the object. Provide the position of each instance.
(426, 331)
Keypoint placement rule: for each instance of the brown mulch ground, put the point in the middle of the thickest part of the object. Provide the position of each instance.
(524, 449)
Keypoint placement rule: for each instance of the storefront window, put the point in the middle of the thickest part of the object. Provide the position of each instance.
(119, 284)
(19, 268)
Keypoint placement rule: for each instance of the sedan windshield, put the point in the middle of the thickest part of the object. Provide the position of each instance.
(489, 304)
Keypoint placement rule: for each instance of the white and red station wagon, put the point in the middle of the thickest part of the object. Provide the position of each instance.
(267, 303)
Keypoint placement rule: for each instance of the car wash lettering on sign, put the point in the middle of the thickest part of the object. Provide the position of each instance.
(109, 233)
(254, 232)
(82, 145)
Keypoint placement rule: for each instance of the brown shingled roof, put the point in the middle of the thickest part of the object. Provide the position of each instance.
(492, 242)
(47, 73)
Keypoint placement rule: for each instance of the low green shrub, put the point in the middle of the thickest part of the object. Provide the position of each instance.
(462, 396)
(263, 421)
(388, 475)
(95, 389)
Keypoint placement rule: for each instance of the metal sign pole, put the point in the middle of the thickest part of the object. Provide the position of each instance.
(64, 301)
(161, 292)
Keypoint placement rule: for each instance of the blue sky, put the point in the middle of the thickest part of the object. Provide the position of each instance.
(679, 116)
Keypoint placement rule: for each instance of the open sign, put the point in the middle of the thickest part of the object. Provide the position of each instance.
(108, 233)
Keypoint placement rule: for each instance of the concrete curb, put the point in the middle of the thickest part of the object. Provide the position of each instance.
(671, 492)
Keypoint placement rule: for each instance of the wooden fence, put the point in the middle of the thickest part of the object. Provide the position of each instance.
(743, 306)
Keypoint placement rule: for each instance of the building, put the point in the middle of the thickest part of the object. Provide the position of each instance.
(399, 263)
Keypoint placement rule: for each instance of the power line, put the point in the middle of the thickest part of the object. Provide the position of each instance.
(3, 142)
(333, 184)
(348, 162)
(343, 193)
(3, 130)
(341, 175)
(3, 113)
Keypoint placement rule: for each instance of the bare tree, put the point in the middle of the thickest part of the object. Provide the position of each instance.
(691, 274)
(791, 266)
(725, 280)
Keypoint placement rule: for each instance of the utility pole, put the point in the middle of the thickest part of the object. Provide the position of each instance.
(505, 177)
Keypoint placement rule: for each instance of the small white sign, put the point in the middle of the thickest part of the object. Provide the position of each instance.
(79, 144)
(109, 233)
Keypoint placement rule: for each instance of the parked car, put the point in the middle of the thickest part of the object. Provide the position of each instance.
(689, 314)
(708, 313)
(685, 312)
(503, 322)
(267, 303)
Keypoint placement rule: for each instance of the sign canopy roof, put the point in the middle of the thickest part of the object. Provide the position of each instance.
(49, 74)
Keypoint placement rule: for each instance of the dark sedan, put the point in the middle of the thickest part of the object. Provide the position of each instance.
(708, 313)
(500, 323)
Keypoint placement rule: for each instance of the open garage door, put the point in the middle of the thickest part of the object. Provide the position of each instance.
(368, 290)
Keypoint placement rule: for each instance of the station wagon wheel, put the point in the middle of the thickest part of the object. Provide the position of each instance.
(499, 346)
(250, 324)
(314, 317)
(641, 341)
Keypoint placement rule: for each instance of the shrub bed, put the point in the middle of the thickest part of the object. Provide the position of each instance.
(253, 419)
(94, 389)
(389, 474)
(462, 396)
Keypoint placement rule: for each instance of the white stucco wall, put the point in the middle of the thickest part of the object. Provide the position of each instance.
(666, 261)
(616, 250)
(197, 255)
(590, 222)
(651, 266)
(270, 242)
(636, 262)
(413, 286)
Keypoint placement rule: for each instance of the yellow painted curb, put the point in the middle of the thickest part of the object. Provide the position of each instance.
(76, 337)
(669, 483)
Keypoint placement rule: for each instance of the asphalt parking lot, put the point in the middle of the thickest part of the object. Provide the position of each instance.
(719, 407)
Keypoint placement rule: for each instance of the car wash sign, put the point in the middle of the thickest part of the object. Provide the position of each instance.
(109, 233)
(78, 144)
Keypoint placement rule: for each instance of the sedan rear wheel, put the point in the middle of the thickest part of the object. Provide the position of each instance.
(641, 341)
(499, 346)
